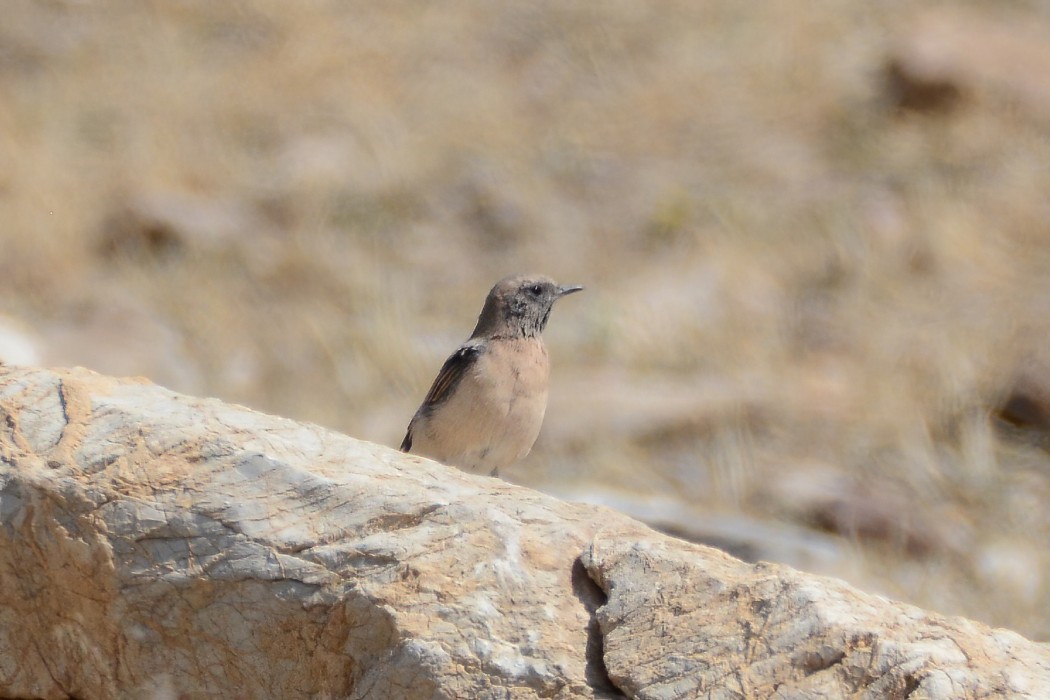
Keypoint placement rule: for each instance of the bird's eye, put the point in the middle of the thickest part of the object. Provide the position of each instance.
(535, 290)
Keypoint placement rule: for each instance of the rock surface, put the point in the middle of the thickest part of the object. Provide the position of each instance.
(157, 545)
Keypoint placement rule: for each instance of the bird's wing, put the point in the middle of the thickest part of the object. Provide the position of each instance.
(457, 365)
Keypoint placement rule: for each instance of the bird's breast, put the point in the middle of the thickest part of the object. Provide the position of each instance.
(515, 373)
(494, 416)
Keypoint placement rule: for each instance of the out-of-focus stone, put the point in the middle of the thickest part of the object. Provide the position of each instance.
(115, 333)
(1027, 402)
(17, 345)
(871, 510)
(163, 224)
(946, 52)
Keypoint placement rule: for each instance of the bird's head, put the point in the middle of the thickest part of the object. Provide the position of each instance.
(520, 305)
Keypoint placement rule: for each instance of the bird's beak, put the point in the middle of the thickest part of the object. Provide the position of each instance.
(568, 289)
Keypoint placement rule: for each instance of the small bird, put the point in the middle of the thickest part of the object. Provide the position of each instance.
(486, 406)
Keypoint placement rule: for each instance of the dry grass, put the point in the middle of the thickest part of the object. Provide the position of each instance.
(792, 286)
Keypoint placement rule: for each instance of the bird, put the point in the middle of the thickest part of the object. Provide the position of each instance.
(485, 408)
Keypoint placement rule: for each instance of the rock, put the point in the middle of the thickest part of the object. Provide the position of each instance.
(18, 346)
(155, 541)
(1008, 565)
(870, 508)
(945, 53)
(153, 544)
(1026, 404)
(682, 621)
(111, 330)
(162, 224)
(909, 87)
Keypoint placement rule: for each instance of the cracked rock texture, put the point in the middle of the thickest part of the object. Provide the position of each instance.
(158, 545)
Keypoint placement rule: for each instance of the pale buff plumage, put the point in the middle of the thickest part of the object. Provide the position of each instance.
(485, 409)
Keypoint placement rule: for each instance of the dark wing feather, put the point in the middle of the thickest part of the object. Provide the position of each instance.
(457, 365)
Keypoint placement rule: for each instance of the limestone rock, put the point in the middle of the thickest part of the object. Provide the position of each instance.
(682, 622)
(158, 545)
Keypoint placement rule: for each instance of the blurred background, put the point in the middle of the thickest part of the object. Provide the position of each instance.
(815, 239)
